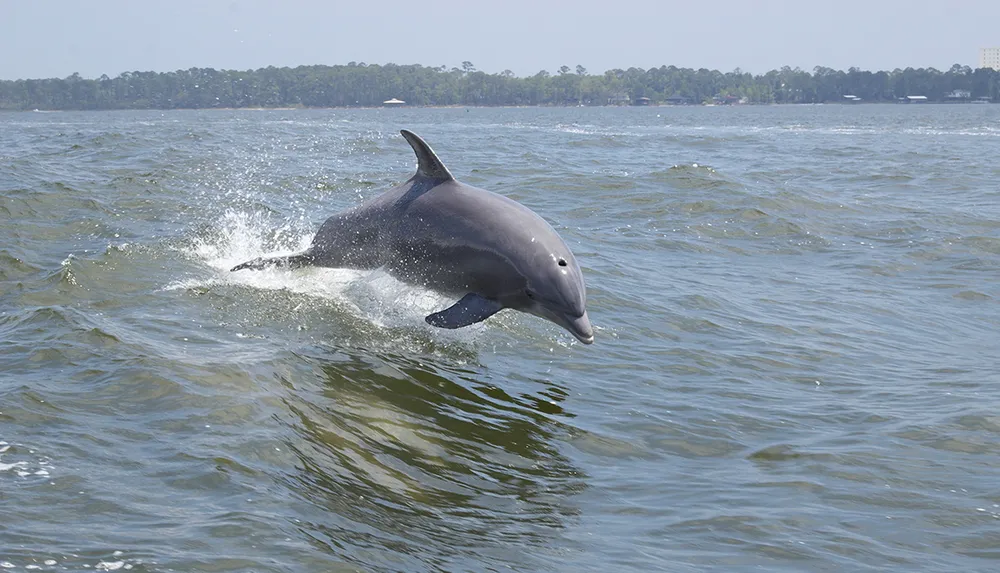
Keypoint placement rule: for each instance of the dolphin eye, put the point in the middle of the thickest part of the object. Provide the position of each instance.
(562, 262)
(529, 294)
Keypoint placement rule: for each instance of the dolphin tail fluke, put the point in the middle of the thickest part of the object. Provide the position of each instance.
(428, 164)
(471, 309)
(288, 262)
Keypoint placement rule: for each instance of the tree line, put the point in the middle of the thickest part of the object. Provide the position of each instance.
(358, 84)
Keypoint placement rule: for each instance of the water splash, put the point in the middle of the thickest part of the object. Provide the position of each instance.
(372, 296)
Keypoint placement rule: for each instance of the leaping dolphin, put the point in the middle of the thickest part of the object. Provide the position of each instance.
(458, 240)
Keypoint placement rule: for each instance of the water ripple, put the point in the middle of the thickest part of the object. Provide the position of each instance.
(795, 368)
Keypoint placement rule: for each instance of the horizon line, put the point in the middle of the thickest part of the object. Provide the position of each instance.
(445, 69)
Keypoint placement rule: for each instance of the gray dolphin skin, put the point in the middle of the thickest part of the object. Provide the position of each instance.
(489, 251)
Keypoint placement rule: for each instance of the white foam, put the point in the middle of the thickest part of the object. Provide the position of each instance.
(37, 466)
(6, 467)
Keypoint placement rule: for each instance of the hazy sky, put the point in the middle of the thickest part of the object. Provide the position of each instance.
(49, 38)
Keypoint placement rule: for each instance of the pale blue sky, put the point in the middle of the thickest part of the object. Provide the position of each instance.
(48, 38)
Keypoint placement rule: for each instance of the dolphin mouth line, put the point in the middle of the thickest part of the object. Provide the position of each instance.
(580, 327)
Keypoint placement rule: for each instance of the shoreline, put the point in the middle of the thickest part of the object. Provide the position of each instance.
(450, 106)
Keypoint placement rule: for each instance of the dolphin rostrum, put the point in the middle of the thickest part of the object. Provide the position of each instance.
(458, 240)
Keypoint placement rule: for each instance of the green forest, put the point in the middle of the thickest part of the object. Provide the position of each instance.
(359, 84)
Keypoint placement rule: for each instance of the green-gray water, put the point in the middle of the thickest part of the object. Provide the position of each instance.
(796, 366)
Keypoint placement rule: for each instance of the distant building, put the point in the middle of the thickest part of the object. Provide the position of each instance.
(958, 96)
(620, 98)
(989, 58)
(719, 99)
(642, 101)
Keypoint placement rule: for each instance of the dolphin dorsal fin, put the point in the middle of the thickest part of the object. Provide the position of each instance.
(428, 164)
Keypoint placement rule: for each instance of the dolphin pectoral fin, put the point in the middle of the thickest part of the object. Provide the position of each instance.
(289, 262)
(471, 309)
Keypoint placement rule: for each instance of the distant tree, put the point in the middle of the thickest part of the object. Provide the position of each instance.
(362, 84)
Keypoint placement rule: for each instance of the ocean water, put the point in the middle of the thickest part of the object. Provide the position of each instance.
(796, 366)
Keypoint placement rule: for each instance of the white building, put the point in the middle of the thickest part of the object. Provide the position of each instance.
(989, 58)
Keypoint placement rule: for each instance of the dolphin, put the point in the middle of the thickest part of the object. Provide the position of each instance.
(456, 239)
